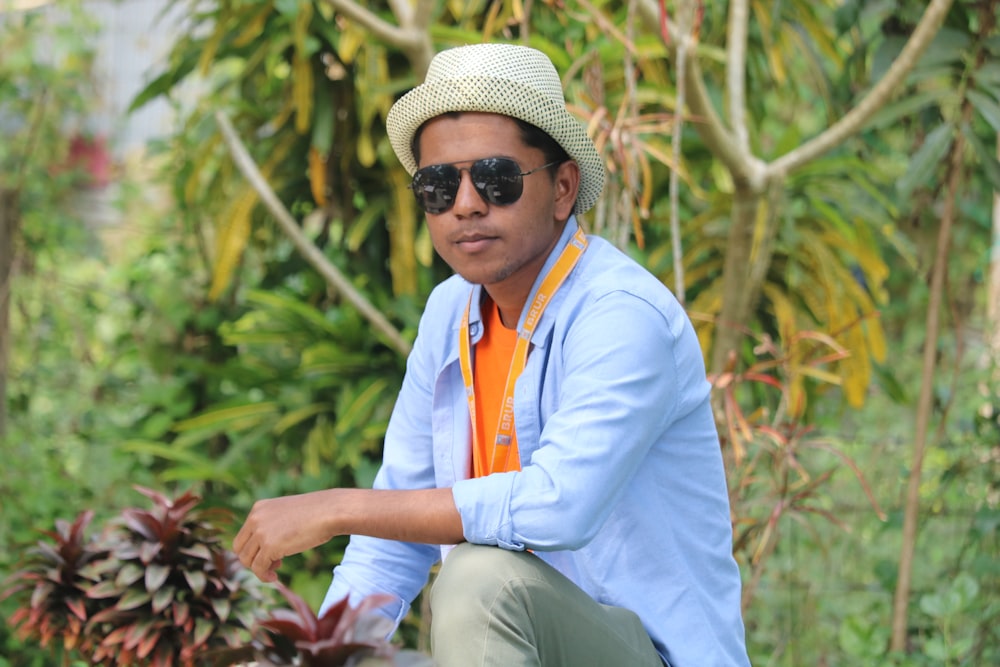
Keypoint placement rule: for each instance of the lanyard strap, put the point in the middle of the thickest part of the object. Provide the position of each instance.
(485, 463)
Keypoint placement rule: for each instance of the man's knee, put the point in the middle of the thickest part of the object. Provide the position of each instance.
(472, 576)
(479, 607)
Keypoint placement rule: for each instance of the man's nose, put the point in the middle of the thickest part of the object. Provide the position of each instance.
(468, 201)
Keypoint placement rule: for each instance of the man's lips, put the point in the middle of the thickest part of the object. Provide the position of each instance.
(473, 242)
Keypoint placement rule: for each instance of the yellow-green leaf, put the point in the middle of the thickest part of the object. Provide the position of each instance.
(360, 407)
(231, 242)
(299, 415)
(222, 417)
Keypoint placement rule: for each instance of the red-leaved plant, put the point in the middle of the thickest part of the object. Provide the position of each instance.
(58, 608)
(156, 589)
(343, 636)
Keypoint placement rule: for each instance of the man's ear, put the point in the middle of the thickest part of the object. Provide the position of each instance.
(567, 185)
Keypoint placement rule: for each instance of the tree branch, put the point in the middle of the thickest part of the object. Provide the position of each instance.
(402, 10)
(373, 23)
(925, 408)
(857, 117)
(739, 18)
(685, 21)
(742, 164)
(993, 287)
(717, 137)
(309, 251)
(411, 35)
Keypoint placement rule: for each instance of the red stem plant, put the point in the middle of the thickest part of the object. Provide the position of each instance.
(770, 450)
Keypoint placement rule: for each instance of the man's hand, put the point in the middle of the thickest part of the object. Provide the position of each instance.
(279, 527)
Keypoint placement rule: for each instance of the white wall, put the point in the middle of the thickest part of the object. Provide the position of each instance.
(136, 36)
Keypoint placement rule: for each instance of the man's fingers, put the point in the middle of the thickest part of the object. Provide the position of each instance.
(240, 541)
(246, 554)
(271, 574)
(245, 533)
(265, 567)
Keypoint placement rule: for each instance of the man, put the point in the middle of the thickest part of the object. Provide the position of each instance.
(554, 421)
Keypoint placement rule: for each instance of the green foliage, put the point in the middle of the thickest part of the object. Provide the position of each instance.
(956, 615)
(310, 387)
(58, 451)
(827, 592)
(953, 92)
(292, 391)
(313, 96)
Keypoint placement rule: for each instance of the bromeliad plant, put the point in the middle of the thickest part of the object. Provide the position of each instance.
(58, 608)
(157, 588)
(343, 636)
(175, 588)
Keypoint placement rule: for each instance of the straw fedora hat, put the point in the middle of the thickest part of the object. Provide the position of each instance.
(504, 79)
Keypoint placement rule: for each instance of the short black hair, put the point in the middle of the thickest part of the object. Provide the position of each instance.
(532, 136)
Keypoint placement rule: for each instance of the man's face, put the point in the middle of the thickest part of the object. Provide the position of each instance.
(500, 247)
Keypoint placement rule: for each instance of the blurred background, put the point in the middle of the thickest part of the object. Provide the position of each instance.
(816, 181)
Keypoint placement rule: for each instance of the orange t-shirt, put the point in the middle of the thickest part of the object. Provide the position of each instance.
(493, 354)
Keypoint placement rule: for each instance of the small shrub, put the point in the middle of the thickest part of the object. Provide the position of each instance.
(58, 608)
(343, 636)
(157, 587)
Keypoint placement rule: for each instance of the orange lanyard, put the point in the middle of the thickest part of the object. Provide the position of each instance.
(497, 460)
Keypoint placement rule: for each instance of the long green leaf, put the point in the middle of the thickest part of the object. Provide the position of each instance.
(906, 106)
(324, 122)
(202, 473)
(282, 305)
(299, 415)
(987, 158)
(363, 225)
(359, 408)
(987, 108)
(222, 417)
(170, 452)
(949, 46)
(926, 160)
(334, 361)
(167, 81)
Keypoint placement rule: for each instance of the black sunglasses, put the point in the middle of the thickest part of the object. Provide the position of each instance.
(498, 180)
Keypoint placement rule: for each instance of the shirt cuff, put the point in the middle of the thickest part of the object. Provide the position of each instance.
(484, 505)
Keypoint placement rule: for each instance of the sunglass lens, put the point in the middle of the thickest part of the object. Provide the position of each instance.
(498, 180)
(435, 187)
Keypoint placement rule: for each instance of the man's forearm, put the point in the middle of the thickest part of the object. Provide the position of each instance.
(423, 515)
(279, 527)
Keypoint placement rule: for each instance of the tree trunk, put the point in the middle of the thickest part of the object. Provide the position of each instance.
(736, 287)
(9, 218)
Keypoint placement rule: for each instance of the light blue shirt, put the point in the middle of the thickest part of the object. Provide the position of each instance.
(622, 487)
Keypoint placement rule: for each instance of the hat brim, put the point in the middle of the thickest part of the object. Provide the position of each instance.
(504, 97)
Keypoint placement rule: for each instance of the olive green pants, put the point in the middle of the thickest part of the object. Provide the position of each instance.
(493, 607)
